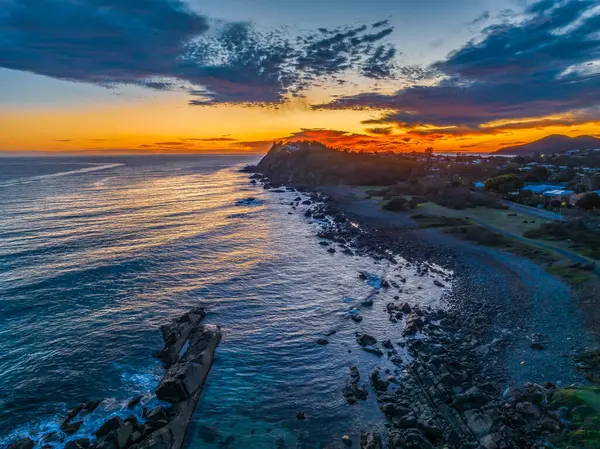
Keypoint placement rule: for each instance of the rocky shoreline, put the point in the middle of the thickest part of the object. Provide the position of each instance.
(188, 355)
(453, 392)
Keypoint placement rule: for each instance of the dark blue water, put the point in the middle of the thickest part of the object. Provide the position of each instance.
(97, 253)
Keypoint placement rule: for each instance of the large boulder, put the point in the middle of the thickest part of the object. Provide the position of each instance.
(110, 425)
(181, 382)
(177, 333)
(364, 339)
(409, 439)
(119, 438)
(472, 398)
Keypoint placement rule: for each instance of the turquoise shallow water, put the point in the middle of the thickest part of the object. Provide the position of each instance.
(97, 253)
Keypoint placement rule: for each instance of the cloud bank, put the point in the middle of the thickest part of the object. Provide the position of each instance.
(546, 63)
(163, 44)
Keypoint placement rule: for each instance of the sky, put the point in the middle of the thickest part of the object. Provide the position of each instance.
(115, 76)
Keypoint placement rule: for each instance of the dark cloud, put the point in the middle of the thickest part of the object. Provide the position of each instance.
(96, 41)
(213, 139)
(381, 131)
(380, 64)
(63, 140)
(381, 23)
(164, 45)
(254, 145)
(537, 67)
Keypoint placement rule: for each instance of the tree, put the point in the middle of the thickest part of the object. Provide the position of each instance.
(589, 201)
(565, 175)
(540, 172)
(594, 182)
(504, 183)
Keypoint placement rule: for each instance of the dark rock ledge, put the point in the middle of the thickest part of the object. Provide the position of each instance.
(188, 356)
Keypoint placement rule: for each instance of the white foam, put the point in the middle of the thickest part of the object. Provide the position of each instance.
(31, 179)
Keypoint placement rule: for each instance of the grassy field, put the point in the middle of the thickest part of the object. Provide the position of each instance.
(497, 218)
(513, 223)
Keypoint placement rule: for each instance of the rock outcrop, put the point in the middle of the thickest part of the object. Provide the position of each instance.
(183, 383)
(188, 355)
(177, 333)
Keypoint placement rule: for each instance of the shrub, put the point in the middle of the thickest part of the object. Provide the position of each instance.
(589, 201)
(504, 183)
(584, 238)
(380, 192)
(396, 204)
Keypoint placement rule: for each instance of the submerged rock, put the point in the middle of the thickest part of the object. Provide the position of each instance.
(370, 440)
(352, 392)
(81, 443)
(387, 344)
(135, 401)
(71, 427)
(376, 351)
(24, 443)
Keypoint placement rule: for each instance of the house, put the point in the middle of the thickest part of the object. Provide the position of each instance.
(562, 195)
(539, 189)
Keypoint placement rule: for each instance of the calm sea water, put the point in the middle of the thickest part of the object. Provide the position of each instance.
(97, 253)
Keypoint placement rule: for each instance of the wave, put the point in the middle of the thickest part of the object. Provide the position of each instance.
(31, 179)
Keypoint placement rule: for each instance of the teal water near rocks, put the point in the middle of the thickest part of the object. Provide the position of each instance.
(97, 253)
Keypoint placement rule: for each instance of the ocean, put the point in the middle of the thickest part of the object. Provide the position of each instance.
(97, 252)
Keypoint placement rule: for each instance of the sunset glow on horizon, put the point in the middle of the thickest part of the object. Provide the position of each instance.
(476, 77)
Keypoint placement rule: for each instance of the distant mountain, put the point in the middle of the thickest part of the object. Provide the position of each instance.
(555, 143)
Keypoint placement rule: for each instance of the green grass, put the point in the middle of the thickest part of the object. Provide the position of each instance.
(574, 396)
(439, 221)
(583, 404)
(573, 275)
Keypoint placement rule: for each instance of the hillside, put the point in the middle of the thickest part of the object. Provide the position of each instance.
(555, 143)
(312, 164)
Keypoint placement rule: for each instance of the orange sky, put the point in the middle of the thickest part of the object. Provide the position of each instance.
(375, 75)
(167, 124)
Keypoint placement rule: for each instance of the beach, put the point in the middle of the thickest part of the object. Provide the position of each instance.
(301, 283)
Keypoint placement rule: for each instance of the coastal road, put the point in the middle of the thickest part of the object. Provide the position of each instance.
(540, 213)
(563, 252)
(369, 208)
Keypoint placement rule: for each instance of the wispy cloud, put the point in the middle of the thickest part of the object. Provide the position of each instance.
(212, 139)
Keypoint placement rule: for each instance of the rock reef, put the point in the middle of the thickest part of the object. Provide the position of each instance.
(188, 355)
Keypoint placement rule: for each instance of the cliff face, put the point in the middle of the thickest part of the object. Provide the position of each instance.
(297, 163)
(311, 164)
